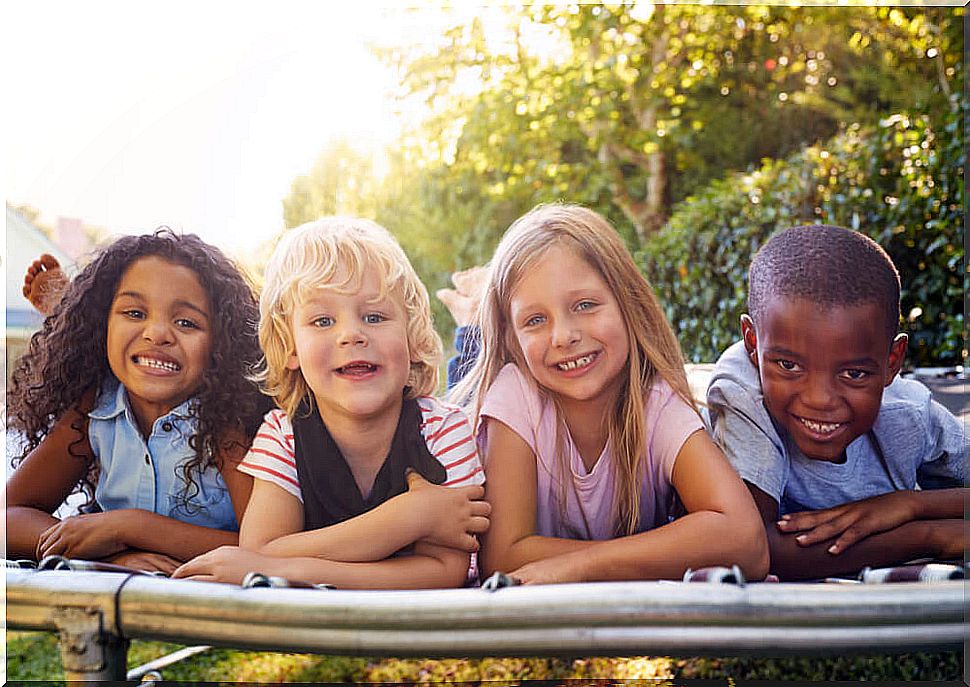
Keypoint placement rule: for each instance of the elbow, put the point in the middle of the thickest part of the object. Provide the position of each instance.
(753, 553)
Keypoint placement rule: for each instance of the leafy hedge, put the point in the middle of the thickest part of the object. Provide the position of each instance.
(900, 183)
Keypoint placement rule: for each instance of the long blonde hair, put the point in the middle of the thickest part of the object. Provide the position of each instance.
(310, 257)
(654, 351)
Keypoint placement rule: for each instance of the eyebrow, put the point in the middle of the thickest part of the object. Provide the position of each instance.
(180, 303)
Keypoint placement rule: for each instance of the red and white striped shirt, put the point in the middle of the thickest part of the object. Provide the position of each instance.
(444, 427)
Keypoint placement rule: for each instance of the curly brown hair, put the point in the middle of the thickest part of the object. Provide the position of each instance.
(68, 358)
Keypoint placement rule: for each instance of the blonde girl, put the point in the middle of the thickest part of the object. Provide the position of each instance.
(598, 464)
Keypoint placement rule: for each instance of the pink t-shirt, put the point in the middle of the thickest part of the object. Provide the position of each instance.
(515, 400)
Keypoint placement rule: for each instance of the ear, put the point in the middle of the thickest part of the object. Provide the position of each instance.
(897, 353)
(293, 362)
(750, 338)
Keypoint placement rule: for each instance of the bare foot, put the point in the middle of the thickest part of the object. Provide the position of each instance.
(462, 301)
(44, 283)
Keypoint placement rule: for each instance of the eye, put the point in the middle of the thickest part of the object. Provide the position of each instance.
(322, 321)
(186, 323)
(787, 365)
(856, 375)
(586, 305)
(133, 313)
(534, 321)
(374, 318)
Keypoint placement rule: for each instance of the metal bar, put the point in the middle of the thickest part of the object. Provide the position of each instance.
(164, 661)
(672, 618)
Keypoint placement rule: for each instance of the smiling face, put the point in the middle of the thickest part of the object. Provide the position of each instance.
(823, 371)
(352, 350)
(570, 329)
(158, 337)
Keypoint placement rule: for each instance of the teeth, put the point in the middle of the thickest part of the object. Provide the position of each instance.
(158, 364)
(573, 364)
(820, 427)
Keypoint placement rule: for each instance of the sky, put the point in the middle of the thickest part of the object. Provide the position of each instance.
(193, 114)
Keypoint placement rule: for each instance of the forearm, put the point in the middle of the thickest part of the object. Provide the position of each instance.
(697, 540)
(931, 504)
(404, 572)
(24, 527)
(506, 558)
(149, 531)
(371, 536)
(909, 541)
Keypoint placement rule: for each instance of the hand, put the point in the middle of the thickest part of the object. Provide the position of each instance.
(147, 561)
(850, 522)
(462, 301)
(451, 515)
(225, 564)
(567, 567)
(91, 536)
(44, 283)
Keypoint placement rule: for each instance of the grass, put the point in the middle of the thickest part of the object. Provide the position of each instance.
(34, 656)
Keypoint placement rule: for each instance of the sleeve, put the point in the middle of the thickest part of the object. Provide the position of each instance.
(945, 461)
(741, 426)
(511, 401)
(467, 346)
(449, 437)
(671, 425)
(271, 457)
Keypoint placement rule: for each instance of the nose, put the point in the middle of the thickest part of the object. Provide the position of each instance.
(158, 332)
(819, 392)
(564, 332)
(352, 334)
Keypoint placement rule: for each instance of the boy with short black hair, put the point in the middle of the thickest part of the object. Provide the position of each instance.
(862, 467)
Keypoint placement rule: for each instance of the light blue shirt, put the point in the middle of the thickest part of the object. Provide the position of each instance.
(136, 474)
(922, 445)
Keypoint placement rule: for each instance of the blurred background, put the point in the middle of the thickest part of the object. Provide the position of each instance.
(697, 129)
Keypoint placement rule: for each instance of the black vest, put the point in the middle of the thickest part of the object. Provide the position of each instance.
(330, 494)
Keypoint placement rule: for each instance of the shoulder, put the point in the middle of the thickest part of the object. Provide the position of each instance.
(275, 435)
(448, 435)
(511, 385)
(734, 367)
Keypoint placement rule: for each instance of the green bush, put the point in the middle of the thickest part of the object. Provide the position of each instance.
(901, 184)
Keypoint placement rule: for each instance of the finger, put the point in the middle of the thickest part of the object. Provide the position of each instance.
(478, 525)
(823, 532)
(414, 478)
(475, 492)
(797, 522)
(848, 538)
(481, 508)
(48, 261)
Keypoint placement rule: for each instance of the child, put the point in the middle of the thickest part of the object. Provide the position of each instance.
(809, 409)
(591, 440)
(135, 391)
(350, 356)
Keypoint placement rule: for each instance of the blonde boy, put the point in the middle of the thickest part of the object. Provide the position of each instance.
(346, 468)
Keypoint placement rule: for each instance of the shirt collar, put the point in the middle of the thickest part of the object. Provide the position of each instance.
(113, 401)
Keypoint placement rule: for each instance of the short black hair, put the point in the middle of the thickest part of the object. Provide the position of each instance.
(831, 266)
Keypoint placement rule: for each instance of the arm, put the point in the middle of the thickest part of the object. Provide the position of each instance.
(852, 522)
(98, 535)
(42, 481)
(721, 526)
(429, 567)
(941, 538)
(444, 515)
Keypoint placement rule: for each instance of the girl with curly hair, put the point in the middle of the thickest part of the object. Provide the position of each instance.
(135, 391)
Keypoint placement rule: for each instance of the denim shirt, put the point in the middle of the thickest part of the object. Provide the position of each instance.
(139, 475)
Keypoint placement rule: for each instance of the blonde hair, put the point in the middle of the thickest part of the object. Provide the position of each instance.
(311, 257)
(654, 351)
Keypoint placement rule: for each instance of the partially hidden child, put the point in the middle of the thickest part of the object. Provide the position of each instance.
(850, 465)
(598, 463)
(135, 392)
(362, 479)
